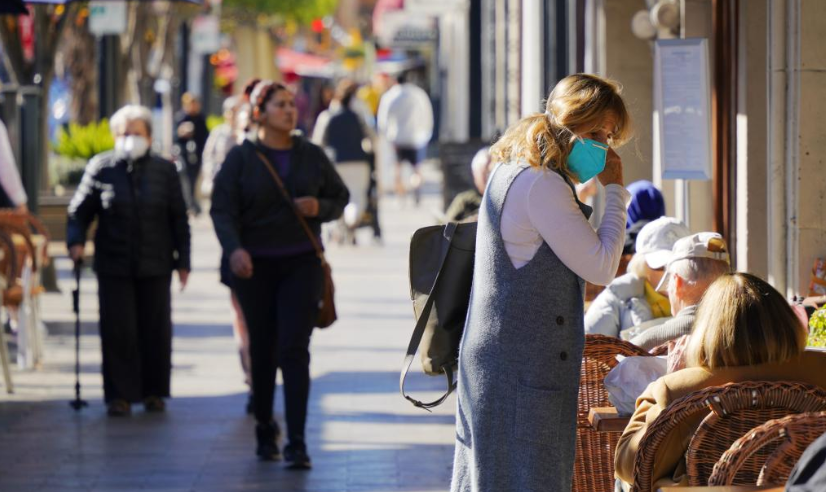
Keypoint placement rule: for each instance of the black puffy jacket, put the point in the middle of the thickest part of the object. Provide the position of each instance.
(143, 229)
(248, 209)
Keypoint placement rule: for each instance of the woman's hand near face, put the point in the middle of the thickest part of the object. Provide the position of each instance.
(612, 174)
(240, 263)
(307, 205)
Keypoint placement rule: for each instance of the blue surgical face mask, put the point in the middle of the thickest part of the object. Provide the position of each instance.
(587, 158)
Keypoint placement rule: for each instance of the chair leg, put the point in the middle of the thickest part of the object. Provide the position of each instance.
(4, 360)
(25, 344)
(38, 329)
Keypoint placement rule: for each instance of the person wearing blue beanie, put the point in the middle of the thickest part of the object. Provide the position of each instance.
(646, 204)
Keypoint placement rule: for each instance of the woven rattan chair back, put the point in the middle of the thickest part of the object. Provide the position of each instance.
(594, 466)
(725, 413)
(769, 451)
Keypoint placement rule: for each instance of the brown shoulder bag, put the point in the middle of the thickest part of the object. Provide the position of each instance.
(327, 307)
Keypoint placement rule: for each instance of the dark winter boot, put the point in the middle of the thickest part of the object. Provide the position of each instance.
(295, 454)
(267, 441)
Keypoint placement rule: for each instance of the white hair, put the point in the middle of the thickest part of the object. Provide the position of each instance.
(481, 161)
(128, 113)
(696, 270)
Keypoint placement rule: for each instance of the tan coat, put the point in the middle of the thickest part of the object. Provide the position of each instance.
(669, 463)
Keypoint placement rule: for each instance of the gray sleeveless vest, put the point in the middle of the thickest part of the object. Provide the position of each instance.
(519, 363)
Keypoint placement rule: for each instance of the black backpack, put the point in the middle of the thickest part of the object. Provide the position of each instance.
(441, 274)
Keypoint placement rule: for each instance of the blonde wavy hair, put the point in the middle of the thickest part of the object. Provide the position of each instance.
(742, 320)
(578, 104)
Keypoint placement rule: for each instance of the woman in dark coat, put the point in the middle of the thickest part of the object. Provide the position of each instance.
(277, 275)
(142, 236)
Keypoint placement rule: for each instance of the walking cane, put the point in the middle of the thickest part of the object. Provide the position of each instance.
(77, 403)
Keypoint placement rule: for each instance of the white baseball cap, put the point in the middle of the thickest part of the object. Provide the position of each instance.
(656, 239)
(703, 245)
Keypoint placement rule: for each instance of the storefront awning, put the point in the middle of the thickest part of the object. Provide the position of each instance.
(381, 8)
(304, 64)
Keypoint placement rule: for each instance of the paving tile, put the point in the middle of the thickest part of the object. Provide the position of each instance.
(363, 437)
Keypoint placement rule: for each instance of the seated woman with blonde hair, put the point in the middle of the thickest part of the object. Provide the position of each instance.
(745, 331)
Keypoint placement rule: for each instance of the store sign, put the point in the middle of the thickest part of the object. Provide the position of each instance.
(206, 34)
(107, 17)
(683, 102)
(434, 7)
(401, 29)
(26, 31)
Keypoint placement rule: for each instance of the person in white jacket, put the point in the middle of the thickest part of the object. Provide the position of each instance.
(405, 119)
(12, 186)
(631, 300)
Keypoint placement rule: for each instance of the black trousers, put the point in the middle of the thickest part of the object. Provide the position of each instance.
(280, 305)
(136, 336)
(192, 172)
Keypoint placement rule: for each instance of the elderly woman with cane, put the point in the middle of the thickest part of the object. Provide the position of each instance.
(142, 236)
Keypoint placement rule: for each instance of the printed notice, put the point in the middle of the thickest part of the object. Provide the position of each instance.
(684, 108)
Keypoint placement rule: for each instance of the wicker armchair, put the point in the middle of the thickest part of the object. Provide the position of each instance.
(8, 274)
(594, 466)
(769, 451)
(727, 412)
(22, 294)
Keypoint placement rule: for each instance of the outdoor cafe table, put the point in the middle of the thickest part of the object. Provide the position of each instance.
(606, 419)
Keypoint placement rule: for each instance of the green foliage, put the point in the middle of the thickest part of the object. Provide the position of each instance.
(84, 142)
(301, 11)
(213, 120)
(817, 328)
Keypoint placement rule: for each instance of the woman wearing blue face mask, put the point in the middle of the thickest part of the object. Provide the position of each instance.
(142, 236)
(519, 360)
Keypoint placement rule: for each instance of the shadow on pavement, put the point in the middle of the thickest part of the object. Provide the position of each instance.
(201, 444)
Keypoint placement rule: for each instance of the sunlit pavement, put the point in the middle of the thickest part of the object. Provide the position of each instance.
(362, 435)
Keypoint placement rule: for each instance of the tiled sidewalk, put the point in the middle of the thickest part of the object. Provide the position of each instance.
(362, 435)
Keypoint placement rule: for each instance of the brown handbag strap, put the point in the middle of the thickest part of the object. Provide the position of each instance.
(288, 198)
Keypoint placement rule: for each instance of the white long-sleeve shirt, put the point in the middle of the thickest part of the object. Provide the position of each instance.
(540, 207)
(9, 175)
(406, 116)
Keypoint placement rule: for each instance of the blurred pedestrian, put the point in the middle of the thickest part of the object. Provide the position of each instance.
(519, 359)
(343, 131)
(465, 206)
(276, 273)
(406, 119)
(12, 193)
(191, 134)
(244, 128)
(221, 139)
(326, 93)
(142, 236)
(371, 93)
(647, 204)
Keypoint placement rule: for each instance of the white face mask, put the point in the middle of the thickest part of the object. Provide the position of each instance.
(131, 147)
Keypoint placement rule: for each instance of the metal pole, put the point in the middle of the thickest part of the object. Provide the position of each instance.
(30, 100)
